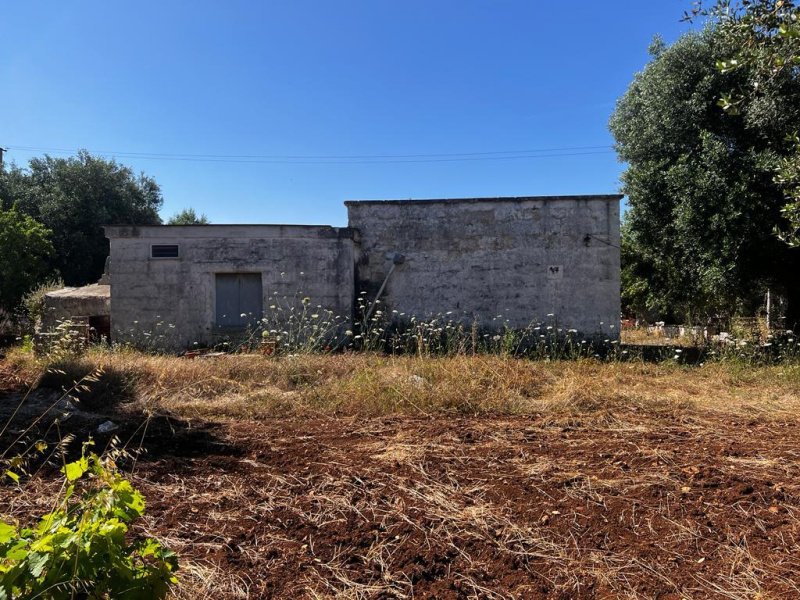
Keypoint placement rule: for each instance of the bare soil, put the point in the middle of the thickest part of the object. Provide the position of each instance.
(626, 504)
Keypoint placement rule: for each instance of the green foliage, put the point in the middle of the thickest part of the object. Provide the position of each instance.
(764, 38)
(81, 549)
(187, 217)
(33, 301)
(635, 275)
(25, 252)
(698, 239)
(13, 185)
(27, 344)
(74, 197)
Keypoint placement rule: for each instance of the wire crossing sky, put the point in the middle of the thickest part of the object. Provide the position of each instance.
(279, 111)
(322, 160)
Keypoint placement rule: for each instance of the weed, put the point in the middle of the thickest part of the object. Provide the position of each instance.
(80, 549)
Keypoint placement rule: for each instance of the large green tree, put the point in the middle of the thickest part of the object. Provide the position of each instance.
(764, 39)
(25, 255)
(703, 201)
(74, 197)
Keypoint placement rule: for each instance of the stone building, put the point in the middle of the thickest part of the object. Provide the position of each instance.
(524, 259)
(83, 311)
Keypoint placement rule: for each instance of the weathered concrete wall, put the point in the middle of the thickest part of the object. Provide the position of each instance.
(522, 258)
(70, 303)
(175, 297)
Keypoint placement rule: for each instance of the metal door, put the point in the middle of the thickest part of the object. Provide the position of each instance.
(239, 299)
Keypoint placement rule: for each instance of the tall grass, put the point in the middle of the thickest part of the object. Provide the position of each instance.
(295, 325)
(370, 384)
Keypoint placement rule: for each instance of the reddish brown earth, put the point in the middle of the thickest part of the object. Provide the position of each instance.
(622, 505)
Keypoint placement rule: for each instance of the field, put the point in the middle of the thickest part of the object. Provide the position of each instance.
(365, 476)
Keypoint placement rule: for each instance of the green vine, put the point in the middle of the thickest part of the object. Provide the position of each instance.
(81, 549)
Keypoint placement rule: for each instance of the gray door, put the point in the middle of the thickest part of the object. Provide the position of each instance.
(238, 294)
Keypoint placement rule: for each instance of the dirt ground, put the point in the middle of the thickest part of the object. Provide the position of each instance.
(630, 505)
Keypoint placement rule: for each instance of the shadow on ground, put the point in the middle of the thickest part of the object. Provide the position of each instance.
(100, 408)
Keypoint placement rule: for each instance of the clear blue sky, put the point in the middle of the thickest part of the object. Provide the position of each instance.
(370, 78)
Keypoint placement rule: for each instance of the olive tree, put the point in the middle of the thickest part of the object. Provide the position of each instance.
(703, 199)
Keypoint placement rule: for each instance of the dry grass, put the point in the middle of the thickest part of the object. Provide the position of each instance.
(255, 387)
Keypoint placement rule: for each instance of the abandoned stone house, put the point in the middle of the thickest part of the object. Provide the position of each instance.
(524, 258)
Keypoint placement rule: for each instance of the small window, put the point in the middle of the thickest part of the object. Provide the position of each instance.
(164, 251)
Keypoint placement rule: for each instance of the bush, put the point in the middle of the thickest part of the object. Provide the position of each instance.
(25, 252)
(33, 301)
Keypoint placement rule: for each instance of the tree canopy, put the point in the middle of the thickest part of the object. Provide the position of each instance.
(764, 39)
(188, 216)
(698, 237)
(73, 198)
(25, 254)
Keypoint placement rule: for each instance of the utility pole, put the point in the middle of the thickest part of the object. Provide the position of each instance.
(1, 156)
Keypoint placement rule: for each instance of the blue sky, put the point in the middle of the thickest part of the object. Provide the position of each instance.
(250, 85)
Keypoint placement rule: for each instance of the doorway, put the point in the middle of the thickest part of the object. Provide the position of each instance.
(239, 300)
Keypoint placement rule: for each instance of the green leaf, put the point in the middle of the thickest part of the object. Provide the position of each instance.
(7, 532)
(36, 563)
(12, 475)
(150, 547)
(131, 500)
(43, 544)
(17, 552)
(75, 470)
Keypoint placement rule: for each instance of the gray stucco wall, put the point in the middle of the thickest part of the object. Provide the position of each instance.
(522, 258)
(69, 303)
(148, 295)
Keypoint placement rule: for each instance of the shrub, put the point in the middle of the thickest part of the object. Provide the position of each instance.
(25, 252)
(33, 301)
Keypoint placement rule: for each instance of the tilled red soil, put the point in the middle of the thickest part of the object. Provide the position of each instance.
(626, 505)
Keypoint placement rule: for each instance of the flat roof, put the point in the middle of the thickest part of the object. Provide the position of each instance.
(249, 230)
(605, 197)
(87, 291)
(165, 225)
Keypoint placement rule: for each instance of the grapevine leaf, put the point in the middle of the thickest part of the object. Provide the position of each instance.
(7, 532)
(36, 563)
(75, 470)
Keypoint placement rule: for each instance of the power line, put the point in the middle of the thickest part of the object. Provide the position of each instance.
(344, 159)
(306, 156)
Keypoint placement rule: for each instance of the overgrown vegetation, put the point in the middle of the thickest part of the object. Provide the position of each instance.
(188, 216)
(236, 386)
(81, 548)
(33, 302)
